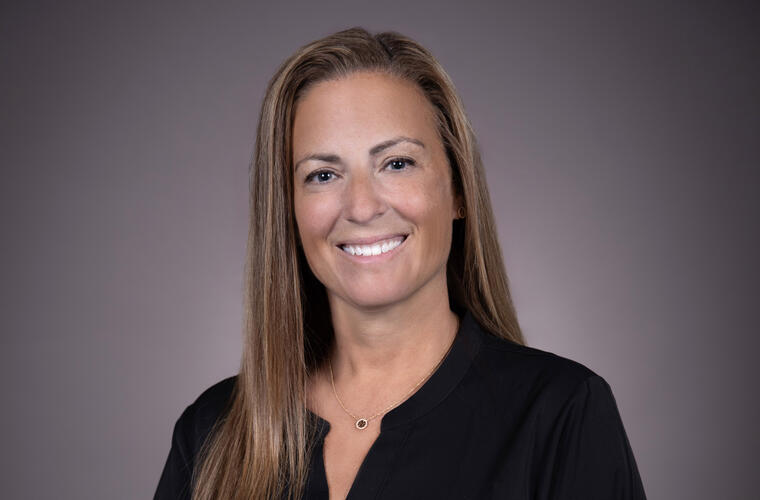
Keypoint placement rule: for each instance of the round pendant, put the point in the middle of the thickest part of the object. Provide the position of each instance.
(361, 423)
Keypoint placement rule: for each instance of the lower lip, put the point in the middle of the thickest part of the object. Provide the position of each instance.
(366, 259)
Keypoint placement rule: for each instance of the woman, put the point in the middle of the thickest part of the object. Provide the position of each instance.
(382, 356)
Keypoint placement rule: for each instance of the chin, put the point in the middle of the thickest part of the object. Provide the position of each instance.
(375, 298)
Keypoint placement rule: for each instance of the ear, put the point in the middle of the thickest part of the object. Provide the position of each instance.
(458, 202)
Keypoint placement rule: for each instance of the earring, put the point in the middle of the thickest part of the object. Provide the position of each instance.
(460, 213)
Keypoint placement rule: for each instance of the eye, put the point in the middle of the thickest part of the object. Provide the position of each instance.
(399, 162)
(322, 176)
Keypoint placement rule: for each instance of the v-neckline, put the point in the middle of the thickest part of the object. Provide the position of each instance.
(322, 466)
(396, 424)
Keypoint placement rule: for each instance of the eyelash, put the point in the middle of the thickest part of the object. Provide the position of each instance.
(309, 177)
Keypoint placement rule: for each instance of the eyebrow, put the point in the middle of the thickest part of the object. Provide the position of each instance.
(374, 150)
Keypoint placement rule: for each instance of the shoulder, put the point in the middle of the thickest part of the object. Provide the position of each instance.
(197, 420)
(213, 399)
(576, 434)
(577, 440)
(512, 372)
(511, 384)
(506, 357)
(190, 432)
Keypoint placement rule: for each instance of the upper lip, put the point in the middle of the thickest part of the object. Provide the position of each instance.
(371, 239)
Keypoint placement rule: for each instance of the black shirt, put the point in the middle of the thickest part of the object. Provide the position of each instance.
(495, 420)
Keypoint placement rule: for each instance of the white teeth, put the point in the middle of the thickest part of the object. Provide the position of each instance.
(374, 249)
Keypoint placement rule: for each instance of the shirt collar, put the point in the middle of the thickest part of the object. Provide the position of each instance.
(440, 384)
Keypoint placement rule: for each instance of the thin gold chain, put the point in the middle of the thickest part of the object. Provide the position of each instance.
(332, 381)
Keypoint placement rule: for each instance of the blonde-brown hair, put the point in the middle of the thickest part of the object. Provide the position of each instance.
(260, 447)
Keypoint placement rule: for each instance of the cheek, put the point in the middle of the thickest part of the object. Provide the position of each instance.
(314, 217)
(429, 206)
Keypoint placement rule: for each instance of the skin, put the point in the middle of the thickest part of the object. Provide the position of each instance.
(391, 318)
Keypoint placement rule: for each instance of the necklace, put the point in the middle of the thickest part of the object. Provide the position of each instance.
(362, 423)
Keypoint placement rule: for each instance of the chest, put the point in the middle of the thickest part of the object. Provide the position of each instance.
(345, 447)
(344, 451)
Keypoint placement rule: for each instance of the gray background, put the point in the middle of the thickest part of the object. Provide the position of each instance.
(620, 143)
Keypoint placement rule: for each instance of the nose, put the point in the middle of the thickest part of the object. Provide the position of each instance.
(362, 201)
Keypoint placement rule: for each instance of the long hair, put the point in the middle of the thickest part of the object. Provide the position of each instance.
(260, 447)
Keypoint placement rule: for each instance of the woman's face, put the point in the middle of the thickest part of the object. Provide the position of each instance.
(370, 171)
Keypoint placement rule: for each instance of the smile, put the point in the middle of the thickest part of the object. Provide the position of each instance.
(377, 248)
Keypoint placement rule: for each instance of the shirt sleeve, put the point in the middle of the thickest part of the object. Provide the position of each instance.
(594, 460)
(175, 478)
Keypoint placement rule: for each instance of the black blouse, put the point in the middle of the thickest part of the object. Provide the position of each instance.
(495, 420)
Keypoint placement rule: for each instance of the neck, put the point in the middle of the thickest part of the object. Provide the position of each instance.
(382, 351)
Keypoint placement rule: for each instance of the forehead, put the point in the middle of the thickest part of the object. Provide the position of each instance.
(362, 107)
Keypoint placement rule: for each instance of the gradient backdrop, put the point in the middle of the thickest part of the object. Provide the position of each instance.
(621, 148)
